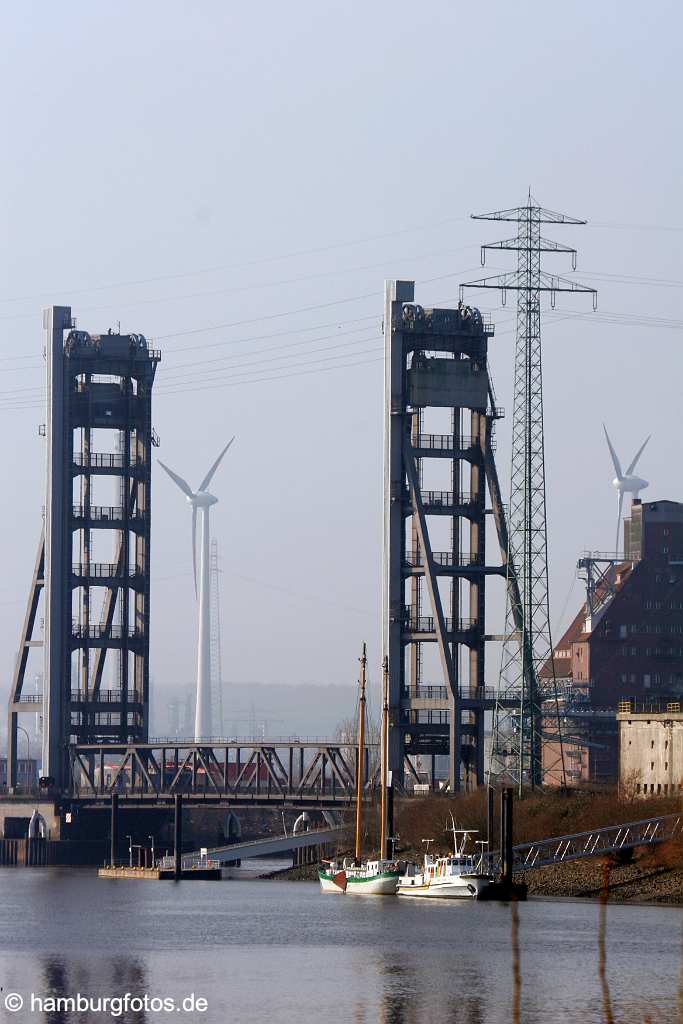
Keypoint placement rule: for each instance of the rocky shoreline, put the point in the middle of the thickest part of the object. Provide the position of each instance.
(643, 881)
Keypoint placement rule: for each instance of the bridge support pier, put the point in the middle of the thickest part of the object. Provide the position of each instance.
(114, 831)
(178, 837)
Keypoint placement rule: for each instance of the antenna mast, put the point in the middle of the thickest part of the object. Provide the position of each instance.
(360, 766)
(516, 750)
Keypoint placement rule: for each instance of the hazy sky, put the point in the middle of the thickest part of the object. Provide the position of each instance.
(235, 181)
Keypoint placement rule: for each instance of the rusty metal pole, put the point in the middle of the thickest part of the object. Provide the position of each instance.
(506, 798)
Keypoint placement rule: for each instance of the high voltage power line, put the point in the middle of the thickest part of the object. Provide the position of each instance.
(176, 379)
(297, 253)
(30, 396)
(259, 261)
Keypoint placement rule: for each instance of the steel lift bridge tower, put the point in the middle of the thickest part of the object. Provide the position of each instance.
(527, 667)
(440, 412)
(93, 561)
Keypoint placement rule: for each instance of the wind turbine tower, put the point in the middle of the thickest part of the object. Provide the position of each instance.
(216, 645)
(201, 501)
(625, 483)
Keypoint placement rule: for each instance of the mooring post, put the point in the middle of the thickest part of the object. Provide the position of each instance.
(178, 836)
(114, 831)
(506, 835)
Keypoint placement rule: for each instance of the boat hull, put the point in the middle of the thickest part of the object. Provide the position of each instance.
(465, 887)
(374, 885)
(332, 882)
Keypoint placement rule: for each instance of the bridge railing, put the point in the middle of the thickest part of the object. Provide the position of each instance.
(245, 849)
(597, 842)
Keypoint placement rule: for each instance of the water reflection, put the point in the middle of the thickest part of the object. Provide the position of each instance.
(277, 951)
(412, 992)
(96, 980)
(399, 1000)
(57, 986)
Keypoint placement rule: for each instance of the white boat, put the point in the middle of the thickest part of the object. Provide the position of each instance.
(370, 878)
(354, 876)
(458, 875)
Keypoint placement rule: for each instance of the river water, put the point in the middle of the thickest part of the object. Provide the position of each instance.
(280, 952)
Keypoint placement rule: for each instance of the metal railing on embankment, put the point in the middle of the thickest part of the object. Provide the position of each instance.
(595, 843)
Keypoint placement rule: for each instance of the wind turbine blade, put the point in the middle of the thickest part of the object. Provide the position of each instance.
(194, 547)
(182, 484)
(637, 455)
(615, 460)
(207, 479)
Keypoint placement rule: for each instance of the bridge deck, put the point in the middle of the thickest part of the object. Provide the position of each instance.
(271, 846)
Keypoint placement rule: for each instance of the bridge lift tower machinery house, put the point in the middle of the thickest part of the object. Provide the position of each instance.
(93, 561)
(435, 564)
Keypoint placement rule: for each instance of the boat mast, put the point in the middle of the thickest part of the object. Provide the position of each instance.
(383, 755)
(361, 755)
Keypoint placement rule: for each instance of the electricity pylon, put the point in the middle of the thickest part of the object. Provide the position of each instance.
(527, 701)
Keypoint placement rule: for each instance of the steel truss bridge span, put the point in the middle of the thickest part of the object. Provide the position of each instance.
(313, 773)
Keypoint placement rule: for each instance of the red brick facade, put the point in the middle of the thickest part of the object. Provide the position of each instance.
(633, 646)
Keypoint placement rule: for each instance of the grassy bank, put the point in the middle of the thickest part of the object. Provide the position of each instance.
(536, 816)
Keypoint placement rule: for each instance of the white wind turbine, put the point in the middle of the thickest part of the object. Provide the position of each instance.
(625, 482)
(201, 499)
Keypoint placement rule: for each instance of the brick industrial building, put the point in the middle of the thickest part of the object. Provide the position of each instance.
(626, 642)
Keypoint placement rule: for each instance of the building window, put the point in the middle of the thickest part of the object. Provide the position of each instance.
(637, 787)
(652, 765)
(623, 632)
(652, 746)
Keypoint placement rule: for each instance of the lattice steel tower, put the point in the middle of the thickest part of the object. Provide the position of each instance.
(93, 557)
(435, 561)
(520, 727)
